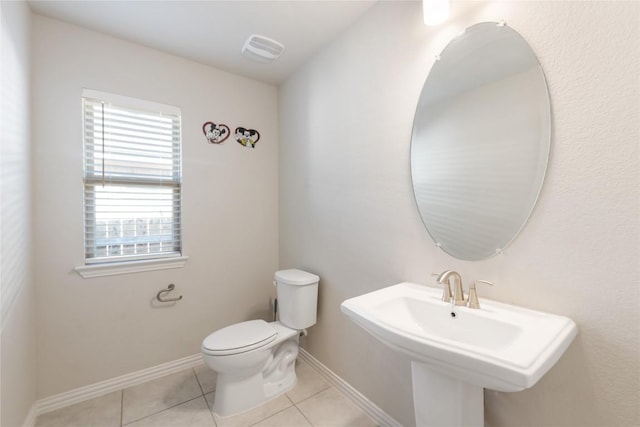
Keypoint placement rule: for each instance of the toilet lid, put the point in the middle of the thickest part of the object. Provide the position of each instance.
(296, 277)
(239, 338)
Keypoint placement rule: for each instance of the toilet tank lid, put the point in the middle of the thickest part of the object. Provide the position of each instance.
(296, 277)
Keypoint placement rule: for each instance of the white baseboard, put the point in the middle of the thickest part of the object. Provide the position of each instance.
(30, 421)
(370, 408)
(91, 391)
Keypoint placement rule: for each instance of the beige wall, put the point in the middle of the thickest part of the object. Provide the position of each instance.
(17, 330)
(347, 211)
(95, 329)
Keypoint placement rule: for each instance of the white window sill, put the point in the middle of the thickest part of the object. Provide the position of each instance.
(114, 268)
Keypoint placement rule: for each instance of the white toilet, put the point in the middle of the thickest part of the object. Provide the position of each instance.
(255, 360)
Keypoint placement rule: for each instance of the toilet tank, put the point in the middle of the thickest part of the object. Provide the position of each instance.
(297, 298)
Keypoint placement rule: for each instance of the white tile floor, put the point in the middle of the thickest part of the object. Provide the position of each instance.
(184, 399)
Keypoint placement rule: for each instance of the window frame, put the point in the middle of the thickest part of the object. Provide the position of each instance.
(119, 264)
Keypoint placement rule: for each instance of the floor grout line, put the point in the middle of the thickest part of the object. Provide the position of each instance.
(273, 415)
(206, 402)
(303, 414)
(307, 398)
(162, 410)
(121, 407)
(197, 380)
(312, 395)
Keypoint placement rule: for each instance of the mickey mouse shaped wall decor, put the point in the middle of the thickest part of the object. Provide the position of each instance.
(247, 137)
(216, 134)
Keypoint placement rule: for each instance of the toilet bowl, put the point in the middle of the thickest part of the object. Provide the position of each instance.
(255, 360)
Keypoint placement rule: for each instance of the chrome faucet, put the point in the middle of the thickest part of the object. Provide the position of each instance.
(458, 292)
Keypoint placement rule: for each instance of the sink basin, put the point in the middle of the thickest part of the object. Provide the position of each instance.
(499, 346)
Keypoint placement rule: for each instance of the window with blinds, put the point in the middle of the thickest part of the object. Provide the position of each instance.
(132, 179)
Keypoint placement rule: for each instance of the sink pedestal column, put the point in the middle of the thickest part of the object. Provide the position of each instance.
(443, 401)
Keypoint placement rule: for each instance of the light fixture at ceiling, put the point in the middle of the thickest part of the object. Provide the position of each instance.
(262, 49)
(435, 11)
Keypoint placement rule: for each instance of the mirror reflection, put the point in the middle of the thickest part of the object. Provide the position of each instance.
(480, 143)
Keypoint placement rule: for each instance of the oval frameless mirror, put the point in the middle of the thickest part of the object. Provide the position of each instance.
(481, 140)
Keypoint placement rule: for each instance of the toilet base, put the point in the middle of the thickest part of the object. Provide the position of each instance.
(235, 394)
(225, 407)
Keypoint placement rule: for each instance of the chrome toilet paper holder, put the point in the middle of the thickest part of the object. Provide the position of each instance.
(171, 287)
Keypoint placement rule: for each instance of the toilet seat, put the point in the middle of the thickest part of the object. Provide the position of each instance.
(239, 338)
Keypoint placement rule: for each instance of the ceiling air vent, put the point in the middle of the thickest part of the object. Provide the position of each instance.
(262, 49)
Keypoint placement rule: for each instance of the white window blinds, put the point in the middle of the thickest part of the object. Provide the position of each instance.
(132, 178)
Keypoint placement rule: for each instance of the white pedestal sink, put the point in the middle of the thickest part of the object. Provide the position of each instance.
(456, 352)
(441, 401)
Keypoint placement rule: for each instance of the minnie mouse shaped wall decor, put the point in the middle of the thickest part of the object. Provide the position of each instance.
(216, 134)
(246, 137)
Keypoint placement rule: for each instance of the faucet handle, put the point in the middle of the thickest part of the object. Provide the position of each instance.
(473, 302)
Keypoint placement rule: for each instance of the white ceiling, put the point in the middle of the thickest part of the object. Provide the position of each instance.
(213, 32)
